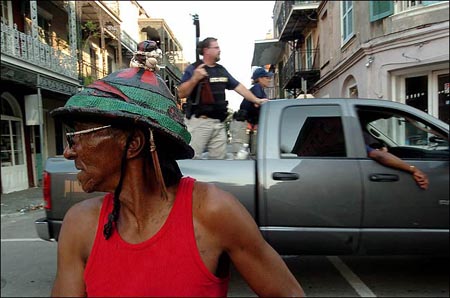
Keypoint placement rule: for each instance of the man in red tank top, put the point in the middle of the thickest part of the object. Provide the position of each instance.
(155, 233)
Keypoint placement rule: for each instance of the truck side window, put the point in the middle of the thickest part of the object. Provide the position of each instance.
(312, 132)
(403, 135)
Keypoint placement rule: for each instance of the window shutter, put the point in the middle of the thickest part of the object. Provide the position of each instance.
(380, 9)
(429, 2)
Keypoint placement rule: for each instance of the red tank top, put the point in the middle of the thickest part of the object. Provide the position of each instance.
(167, 264)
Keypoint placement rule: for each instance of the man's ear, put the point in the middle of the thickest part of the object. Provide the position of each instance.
(137, 144)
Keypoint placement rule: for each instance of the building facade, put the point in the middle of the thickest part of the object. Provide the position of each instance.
(38, 73)
(173, 62)
(393, 50)
(49, 51)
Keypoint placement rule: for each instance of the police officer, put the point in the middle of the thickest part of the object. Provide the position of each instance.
(203, 84)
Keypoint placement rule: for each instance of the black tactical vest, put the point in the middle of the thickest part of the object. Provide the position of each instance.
(218, 80)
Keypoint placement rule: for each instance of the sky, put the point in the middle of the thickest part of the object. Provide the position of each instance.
(236, 25)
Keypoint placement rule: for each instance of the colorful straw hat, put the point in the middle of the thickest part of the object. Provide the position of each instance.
(138, 96)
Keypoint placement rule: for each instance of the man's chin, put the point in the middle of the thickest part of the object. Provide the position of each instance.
(87, 188)
(86, 185)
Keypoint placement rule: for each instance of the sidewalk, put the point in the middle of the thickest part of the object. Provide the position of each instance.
(22, 201)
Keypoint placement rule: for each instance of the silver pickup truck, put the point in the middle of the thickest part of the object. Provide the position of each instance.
(311, 187)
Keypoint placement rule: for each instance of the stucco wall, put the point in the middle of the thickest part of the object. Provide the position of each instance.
(418, 37)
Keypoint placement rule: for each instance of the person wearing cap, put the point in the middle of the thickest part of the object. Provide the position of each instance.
(155, 232)
(245, 121)
(203, 84)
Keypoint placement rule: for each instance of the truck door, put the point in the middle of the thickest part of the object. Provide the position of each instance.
(311, 187)
(399, 217)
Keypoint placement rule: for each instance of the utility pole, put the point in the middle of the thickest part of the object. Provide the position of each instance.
(197, 35)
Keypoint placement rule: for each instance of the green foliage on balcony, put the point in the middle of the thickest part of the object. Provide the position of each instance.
(90, 30)
(87, 80)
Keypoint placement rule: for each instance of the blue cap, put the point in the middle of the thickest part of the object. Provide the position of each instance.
(261, 72)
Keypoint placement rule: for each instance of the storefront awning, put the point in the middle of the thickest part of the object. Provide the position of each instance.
(267, 51)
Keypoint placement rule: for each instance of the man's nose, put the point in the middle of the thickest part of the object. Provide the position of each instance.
(69, 153)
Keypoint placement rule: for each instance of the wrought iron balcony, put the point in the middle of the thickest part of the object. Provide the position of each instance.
(270, 92)
(301, 64)
(48, 52)
(294, 17)
(128, 42)
(168, 64)
(89, 72)
(113, 6)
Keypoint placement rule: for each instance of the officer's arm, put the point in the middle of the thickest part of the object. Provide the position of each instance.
(185, 88)
(248, 95)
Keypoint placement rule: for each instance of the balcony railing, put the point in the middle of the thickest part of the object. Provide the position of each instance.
(128, 41)
(171, 65)
(113, 6)
(270, 92)
(285, 11)
(34, 51)
(90, 72)
(299, 64)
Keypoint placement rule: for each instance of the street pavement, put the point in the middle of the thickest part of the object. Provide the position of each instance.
(29, 264)
(22, 201)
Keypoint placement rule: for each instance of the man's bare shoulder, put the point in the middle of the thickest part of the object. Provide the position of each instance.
(80, 222)
(211, 199)
(214, 206)
(86, 208)
(224, 218)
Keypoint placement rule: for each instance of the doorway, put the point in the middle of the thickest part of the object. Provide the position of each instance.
(12, 145)
(416, 92)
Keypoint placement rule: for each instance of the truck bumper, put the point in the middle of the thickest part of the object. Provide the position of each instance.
(47, 230)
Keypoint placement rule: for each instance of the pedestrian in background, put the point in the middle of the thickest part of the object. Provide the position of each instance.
(244, 125)
(203, 84)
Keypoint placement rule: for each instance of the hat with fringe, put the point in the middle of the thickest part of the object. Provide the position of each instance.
(135, 95)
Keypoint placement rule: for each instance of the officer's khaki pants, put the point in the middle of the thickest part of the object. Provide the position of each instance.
(207, 134)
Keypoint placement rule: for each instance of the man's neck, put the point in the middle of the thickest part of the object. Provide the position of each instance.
(209, 62)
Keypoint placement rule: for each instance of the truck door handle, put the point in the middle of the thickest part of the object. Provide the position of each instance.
(383, 177)
(284, 176)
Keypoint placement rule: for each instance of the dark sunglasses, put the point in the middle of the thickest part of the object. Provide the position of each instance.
(72, 134)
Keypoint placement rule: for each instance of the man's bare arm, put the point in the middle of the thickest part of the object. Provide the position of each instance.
(74, 245)
(390, 160)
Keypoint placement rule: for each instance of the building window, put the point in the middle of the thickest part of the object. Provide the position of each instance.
(443, 97)
(5, 12)
(309, 52)
(12, 153)
(110, 64)
(346, 20)
(44, 25)
(312, 132)
(350, 87)
(407, 5)
(416, 92)
(380, 9)
(353, 92)
(11, 141)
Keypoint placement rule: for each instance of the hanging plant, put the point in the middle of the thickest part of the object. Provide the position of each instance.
(90, 30)
(87, 80)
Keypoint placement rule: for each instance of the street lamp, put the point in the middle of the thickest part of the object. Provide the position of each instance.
(197, 35)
